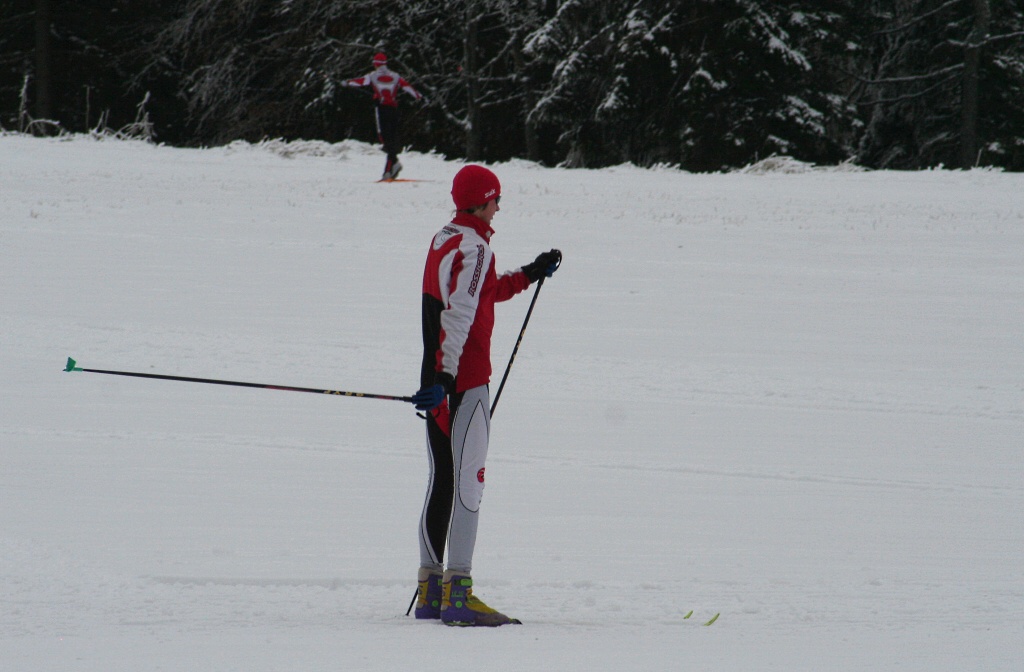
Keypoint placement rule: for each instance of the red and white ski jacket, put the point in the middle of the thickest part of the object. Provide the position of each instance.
(385, 85)
(460, 288)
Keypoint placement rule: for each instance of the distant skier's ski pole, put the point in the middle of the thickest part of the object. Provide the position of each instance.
(540, 283)
(210, 381)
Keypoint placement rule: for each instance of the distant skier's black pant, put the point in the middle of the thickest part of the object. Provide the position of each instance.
(387, 131)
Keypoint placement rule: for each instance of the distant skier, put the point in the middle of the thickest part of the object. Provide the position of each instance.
(460, 288)
(386, 84)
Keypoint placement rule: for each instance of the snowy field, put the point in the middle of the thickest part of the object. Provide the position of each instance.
(794, 397)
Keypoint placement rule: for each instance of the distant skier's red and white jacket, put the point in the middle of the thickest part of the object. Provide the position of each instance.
(385, 85)
(460, 288)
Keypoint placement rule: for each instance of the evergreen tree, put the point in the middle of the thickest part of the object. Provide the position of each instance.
(945, 84)
(70, 64)
(704, 84)
(274, 67)
(236, 66)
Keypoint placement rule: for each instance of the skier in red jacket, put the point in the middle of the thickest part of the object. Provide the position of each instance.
(460, 288)
(386, 85)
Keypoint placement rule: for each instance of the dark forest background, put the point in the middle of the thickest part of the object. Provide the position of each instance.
(702, 84)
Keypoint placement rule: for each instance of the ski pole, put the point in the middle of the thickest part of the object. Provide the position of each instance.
(501, 386)
(287, 388)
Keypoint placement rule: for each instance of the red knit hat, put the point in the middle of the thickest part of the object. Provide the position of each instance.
(474, 186)
(380, 58)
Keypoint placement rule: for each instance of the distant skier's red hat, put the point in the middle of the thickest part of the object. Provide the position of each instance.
(474, 186)
(380, 58)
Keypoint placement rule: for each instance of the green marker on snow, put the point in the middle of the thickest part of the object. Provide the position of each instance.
(71, 365)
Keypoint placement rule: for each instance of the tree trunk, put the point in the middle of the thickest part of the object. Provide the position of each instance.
(969, 103)
(474, 143)
(43, 61)
(529, 100)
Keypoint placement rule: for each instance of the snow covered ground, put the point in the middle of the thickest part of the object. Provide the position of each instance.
(791, 396)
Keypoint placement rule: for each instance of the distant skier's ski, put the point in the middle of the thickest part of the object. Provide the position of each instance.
(458, 624)
(400, 179)
(713, 618)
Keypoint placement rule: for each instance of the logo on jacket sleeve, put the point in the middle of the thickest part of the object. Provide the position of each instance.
(478, 270)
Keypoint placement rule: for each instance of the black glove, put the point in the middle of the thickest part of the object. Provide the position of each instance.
(430, 397)
(544, 266)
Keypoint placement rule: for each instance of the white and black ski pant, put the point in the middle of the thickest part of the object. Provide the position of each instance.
(456, 485)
